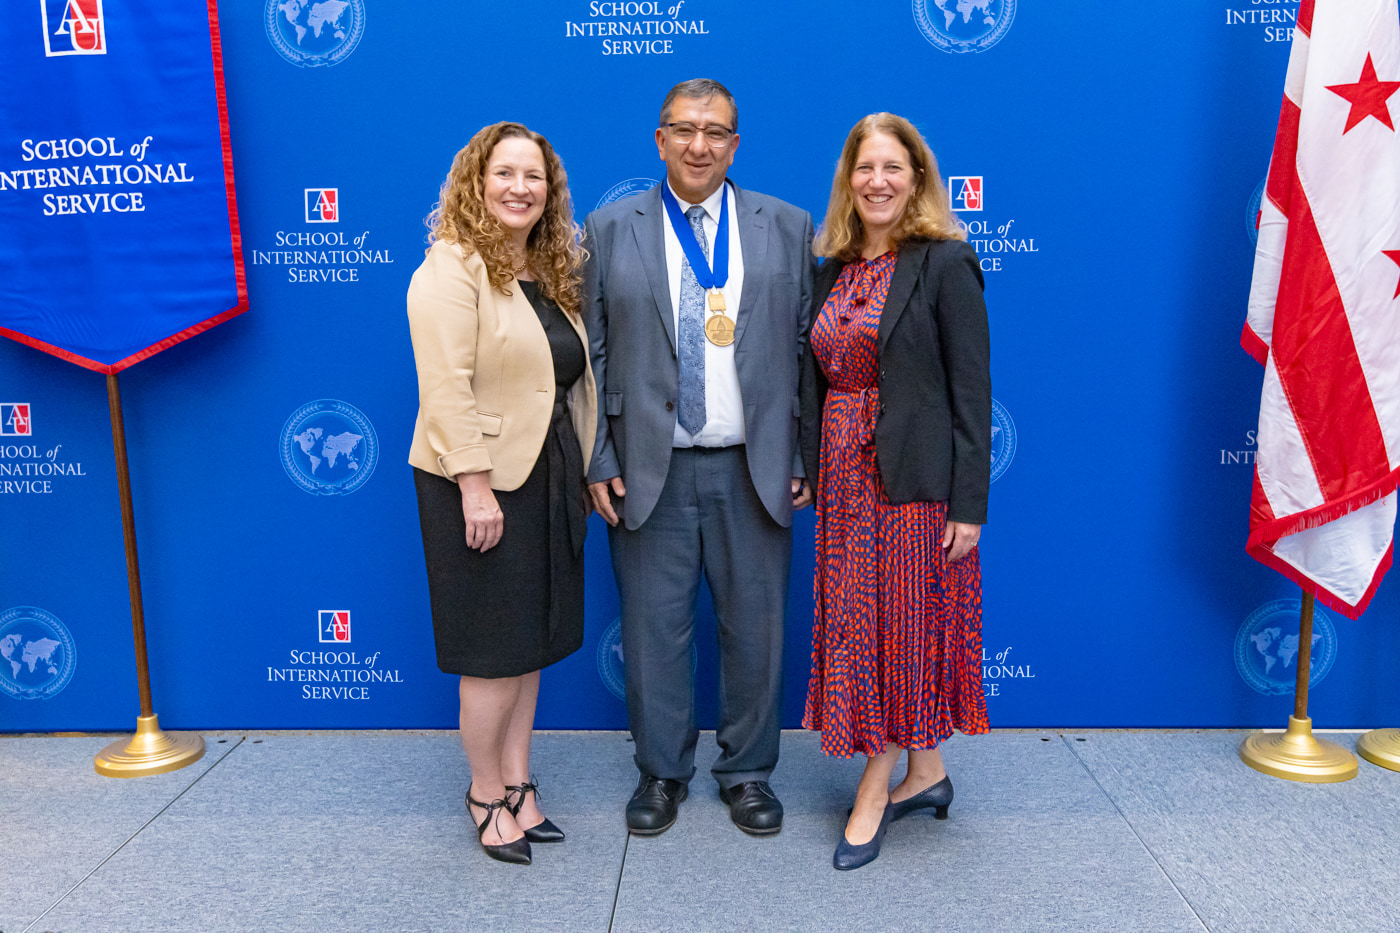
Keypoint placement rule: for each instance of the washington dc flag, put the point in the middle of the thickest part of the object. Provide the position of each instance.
(1324, 309)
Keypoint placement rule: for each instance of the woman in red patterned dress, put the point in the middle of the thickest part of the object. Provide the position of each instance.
(899, 354)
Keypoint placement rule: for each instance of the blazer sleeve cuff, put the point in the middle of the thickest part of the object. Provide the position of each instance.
(470, 459)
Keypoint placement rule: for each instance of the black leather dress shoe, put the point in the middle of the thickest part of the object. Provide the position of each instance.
(754, 807)
(652, 809)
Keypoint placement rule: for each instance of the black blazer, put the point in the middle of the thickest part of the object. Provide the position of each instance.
(933, 438)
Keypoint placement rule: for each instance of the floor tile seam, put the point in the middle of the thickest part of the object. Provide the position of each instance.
(128, 840)
(1136, 835)
(617, 891)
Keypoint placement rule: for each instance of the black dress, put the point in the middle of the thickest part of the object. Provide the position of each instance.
(518, 607)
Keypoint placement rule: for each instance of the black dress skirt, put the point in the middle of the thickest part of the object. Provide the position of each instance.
(518, 607)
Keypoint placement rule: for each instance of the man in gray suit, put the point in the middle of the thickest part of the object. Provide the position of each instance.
(696, 301)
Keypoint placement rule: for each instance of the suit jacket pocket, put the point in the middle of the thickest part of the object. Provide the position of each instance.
(612, 403)
(490, 424)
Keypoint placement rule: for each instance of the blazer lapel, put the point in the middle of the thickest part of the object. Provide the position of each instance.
(651, 243)
(906, 273)
(753, 245)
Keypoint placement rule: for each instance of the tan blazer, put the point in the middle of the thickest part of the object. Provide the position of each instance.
(485, 374)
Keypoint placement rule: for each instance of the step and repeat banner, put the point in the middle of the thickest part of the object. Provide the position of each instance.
(1107, 161)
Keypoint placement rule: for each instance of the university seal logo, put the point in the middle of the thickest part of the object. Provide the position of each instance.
(329, 448)
(37, 654)
(310, 34)
(1266, 647)
(964, 25)
(1003, 439)
(610, 660)
(625, 189)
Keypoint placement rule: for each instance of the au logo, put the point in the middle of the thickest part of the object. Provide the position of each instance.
(73, 27)
(1266, 647)
(625, 189)
(314, 33)
(333, 625)
(610, 661)
(37, 653)
(329, 448)
(15, 420)
(322, 205)
(1003, 439)
(964, 25)
(966, 192)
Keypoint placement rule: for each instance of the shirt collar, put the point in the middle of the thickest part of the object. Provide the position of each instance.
(710, 204)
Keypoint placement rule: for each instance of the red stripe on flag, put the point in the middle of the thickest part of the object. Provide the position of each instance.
(1317, 364)
(1260, 512)
(1283, 165)
(1305, 12)
(1253, 345)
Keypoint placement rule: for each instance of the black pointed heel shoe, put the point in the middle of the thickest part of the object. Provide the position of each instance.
(517, 852)
(540, 832)
(938, 796)
(850, 856)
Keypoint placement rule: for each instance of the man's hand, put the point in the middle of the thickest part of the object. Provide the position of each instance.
(801, 493)
(602, 501)
(485, 523)
(959, 538)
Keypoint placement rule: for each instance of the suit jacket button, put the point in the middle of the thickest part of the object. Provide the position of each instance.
(670, 407)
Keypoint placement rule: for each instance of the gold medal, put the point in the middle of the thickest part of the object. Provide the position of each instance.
(716, 300)
(719, 329)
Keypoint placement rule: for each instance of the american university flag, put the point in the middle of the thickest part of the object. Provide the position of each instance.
(1324, 309)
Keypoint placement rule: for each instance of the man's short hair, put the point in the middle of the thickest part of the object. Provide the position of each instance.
(699, 89)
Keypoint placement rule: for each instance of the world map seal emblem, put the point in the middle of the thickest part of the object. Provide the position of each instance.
(964, 25)
(1266, 647)
(314, 33)
(625, 189)
(1003, 439)
(329, 448)
(37, 653)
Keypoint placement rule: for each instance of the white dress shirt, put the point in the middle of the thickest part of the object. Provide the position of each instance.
(724, 409)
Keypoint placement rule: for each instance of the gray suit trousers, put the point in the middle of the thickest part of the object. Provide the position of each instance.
(709, 519)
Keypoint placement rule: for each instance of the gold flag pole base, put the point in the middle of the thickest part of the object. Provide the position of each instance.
(149, 751)
(1381, 747)
(1295, 755)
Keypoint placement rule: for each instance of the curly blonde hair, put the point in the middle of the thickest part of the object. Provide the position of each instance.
(929, 214)
(461, 216)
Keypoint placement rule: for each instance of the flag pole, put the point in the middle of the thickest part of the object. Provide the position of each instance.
(1295, 755)
(149, 751)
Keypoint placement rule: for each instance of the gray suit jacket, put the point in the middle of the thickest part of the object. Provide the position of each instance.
(631, 329)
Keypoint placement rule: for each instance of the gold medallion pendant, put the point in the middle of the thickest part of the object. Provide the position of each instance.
(719, 329)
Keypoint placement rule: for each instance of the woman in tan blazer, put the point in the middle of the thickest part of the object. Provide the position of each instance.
(506, 420)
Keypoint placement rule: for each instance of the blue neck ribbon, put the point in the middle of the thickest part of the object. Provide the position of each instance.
(707, 277)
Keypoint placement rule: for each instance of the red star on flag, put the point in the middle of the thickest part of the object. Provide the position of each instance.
(1368, 97)
(1394, 255)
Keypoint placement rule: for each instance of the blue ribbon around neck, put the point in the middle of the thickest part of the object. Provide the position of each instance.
(707, 277)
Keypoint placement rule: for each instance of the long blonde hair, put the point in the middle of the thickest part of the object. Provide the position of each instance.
(929, 214)
(461, 216)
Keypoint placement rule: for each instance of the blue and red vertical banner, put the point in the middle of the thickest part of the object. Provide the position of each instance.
(118, 227)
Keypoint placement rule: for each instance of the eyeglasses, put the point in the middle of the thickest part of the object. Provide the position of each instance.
(716, 136)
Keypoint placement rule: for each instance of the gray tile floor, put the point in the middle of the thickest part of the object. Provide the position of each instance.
(1094, 831)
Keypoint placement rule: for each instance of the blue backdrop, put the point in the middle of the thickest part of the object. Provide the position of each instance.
(1117, 151)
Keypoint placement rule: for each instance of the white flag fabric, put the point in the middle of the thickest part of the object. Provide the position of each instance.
(1324, 309)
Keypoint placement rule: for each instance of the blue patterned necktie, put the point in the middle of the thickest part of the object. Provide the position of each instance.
(690, 339)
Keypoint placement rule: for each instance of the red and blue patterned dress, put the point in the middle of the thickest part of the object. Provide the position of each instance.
(897, 639)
